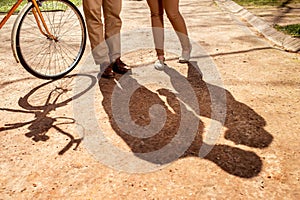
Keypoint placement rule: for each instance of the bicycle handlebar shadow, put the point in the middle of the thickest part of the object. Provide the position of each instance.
(244, 125)
(43, 122)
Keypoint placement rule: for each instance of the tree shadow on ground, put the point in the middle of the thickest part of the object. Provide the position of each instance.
(244, 125)
(283, 10)
(55, 96)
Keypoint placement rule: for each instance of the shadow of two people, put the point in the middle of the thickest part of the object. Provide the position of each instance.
(244, 125)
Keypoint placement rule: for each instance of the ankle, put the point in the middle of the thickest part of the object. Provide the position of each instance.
(162, 58)
(187, 48)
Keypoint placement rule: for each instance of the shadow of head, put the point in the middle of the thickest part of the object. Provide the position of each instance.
(244, 125)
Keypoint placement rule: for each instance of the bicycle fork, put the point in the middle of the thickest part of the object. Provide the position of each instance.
(39, 17)
(40, 23)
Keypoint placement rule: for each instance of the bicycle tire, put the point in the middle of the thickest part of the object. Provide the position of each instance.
(43, 57)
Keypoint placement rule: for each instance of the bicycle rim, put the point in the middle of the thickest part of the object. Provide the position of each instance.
(46, 58)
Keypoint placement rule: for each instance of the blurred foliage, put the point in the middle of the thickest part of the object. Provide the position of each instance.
(5, 5)
(277, 3)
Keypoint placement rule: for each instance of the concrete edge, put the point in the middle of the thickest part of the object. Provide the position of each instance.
(280, 39)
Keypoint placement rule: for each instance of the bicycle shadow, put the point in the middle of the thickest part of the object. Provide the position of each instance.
(43, 121)
(244, 125)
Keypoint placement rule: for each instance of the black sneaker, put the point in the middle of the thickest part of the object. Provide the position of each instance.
(108, 72)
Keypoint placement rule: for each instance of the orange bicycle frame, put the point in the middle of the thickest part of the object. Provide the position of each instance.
(37, 15)
(10, 12)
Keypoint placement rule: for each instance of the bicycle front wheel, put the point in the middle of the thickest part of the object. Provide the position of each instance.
(42, 56)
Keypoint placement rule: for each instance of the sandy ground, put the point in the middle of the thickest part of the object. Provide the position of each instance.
(256, 155)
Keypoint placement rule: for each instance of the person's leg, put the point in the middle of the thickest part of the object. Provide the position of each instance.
(172, 9)
(157, 22)
(113, 23)
(92, 12)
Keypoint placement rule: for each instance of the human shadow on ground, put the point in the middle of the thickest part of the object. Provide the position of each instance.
(244, 125)
(43, 114)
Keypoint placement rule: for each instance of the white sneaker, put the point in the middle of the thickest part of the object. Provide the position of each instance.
(159, 65)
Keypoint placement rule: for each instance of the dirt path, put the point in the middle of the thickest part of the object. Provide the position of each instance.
(256, 155)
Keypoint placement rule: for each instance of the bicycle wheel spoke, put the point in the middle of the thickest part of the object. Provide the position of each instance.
(68, 20)
(68, 48)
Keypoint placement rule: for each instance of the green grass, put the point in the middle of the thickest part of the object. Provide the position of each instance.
(5, 5)
(293, 29)
(277, 3)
